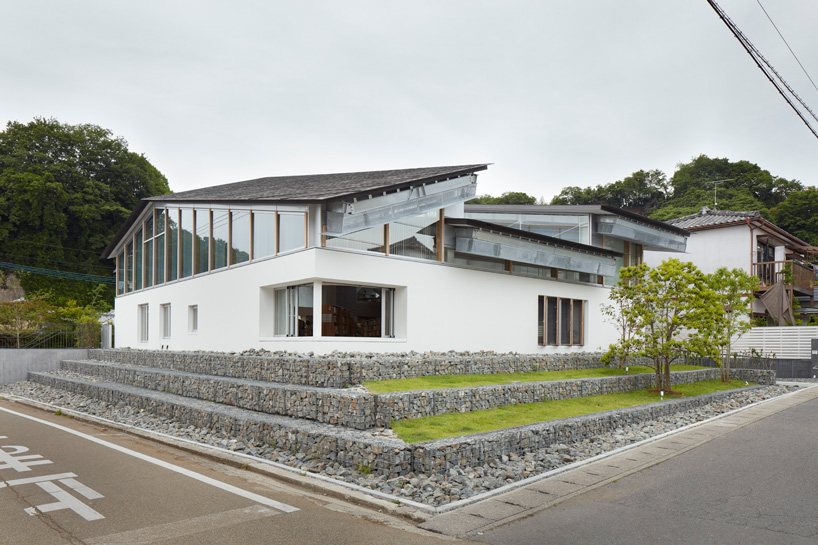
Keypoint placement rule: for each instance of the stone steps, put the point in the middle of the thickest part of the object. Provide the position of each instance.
(346, 408)
(350, 448)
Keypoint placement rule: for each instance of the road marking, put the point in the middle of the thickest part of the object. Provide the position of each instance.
(144, 457)
(183, 528)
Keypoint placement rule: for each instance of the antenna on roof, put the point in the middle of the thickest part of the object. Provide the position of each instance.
(715, 186)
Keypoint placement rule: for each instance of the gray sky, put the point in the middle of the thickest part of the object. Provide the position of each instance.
(553, 93)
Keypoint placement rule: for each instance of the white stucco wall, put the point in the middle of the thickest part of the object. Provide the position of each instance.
(711, 249)
(438, 307)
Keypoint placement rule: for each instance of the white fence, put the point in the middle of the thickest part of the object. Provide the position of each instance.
(793, 342)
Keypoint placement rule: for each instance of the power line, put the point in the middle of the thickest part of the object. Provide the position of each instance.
(97, 279)
(758, 58)
(788, 45)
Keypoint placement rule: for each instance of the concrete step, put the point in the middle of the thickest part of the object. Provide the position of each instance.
(340, 407)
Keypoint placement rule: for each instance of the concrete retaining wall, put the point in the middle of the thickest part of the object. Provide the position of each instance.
(15, 363)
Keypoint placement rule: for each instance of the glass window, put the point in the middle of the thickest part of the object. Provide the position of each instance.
(120, 273)
(239, 236)
(560, 321)
(220, 236)
(294, 311)
(173, 243)
(371, 240)
(264, 233)
(575, 228)
(138, 264)
(149, 263)
(291, 231)
(129, 268)
(193, 318)
(201, 244)
(165, 321)
(142, 324)
(551, 321)
(356, 311)
(187, 242)
(159, 242)
(415, 236)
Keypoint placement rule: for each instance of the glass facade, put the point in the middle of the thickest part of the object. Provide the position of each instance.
(221, 233)
(264, 234)
(292, 231)
(415, 236)
(576, 228)
(201, 244)
(239, 237)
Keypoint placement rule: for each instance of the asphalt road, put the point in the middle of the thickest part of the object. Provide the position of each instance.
(756, 484)
(79, 483)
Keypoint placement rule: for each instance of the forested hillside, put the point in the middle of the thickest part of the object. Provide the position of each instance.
(739, 185)
(64, 192)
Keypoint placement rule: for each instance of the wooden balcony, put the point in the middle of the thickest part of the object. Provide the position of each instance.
(770, 272)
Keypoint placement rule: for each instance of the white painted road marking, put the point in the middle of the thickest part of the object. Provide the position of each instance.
(66, 501)
(182, 528)
(14, 459)
(192, 474)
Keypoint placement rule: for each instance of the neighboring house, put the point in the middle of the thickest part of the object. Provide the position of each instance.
(372, 261)
(745, 240)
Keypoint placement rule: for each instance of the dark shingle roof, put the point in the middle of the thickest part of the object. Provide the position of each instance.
(711, 218)
(319, 187)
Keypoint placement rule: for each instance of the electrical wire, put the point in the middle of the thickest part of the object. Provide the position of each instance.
(758, 58)
(59, 274)
(788, 45)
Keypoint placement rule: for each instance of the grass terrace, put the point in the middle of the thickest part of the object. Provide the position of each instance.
(439, 382)
(450, 425)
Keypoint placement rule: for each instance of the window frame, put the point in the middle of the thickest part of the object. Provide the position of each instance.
(557, 319)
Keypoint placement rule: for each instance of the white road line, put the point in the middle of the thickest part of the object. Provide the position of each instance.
(183, 528)
(193, 475)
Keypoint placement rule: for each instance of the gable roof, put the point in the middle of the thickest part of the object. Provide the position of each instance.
(713, 218)
(320, 187)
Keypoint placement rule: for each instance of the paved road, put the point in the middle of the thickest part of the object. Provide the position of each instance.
(755, 484)
(80, 483)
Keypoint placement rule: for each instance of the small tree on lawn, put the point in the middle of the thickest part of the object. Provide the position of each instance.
(670, 310)
(734, 289)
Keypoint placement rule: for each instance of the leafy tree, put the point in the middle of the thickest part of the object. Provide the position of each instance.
(621, 313)
(670, 312)
(509, 197)
(21, 317)
(64, 192)
(733, 289)
(799, 214)
(640, 192)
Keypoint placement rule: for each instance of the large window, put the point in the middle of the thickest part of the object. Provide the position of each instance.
(293, 311)
(221, 234)
(187, 242)
(173, 243)
(292, 231)
(239, 236)
(561, 321)
(371, 240)
(357, 311)
(264, 234)
(201, 244)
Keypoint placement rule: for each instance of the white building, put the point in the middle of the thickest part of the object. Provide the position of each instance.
(373, 261)
(745, 240)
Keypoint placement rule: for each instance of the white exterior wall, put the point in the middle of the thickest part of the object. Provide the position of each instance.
(710, 249)
(437, 307)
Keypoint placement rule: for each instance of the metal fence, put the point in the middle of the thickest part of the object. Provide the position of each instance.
(54, 336)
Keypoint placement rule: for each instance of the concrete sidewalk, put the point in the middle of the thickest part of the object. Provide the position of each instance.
(547, 492)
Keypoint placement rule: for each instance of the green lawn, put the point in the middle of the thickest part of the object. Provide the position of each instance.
(449, 425)
(437, 382)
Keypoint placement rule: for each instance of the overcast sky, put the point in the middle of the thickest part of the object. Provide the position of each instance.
(554, 93)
